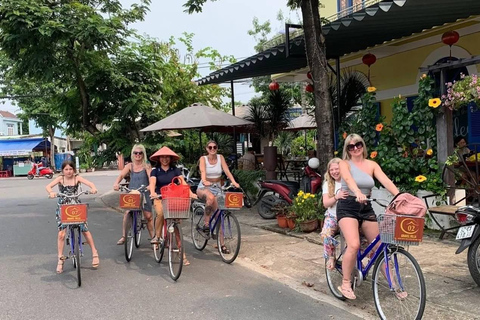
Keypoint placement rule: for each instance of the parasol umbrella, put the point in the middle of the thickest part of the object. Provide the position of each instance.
(303, 122)
(198, 116)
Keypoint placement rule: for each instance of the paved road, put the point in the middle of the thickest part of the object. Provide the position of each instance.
(139, 289)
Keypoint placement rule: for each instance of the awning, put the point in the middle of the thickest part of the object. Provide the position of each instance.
(379, 23)
(18, 147)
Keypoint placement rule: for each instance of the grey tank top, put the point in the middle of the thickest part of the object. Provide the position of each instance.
(138, 178)
(363, 180)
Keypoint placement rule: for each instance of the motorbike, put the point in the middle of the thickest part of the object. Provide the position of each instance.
(275, 193)
(42, 172)
(469, 233)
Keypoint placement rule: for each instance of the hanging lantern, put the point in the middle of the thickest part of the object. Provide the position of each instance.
(369, 59)
(309, 75)
(450, 38)
(273, 86)
(309, 88)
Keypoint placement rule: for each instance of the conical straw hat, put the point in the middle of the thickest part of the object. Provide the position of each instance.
(164, 151)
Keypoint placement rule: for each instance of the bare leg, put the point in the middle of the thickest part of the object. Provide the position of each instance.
(210, 205)
(124, 223)
(89, 240)
(349, 227)
(149, 217)
(157, 204)
(60, 245)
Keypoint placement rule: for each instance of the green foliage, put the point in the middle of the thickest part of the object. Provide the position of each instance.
(248, 179)
(298, 144)
(462, 92)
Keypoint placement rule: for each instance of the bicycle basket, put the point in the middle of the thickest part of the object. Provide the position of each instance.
(400, 229)
(230, 200)
(130, 201)
(73, 213)
(176, 208)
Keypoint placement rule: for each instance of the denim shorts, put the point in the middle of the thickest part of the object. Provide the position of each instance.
(350, 208)
(214, 188)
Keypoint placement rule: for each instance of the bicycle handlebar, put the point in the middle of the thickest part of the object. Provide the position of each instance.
(142, 188)
(378, 202)
(64, 195)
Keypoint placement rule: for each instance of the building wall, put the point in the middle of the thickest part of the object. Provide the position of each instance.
(5, 122)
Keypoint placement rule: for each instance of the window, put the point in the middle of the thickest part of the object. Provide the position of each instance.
(9, 129)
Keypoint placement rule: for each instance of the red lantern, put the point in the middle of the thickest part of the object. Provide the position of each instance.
(273, 86)
(450, 37)
(369, 59)
(309, 75)
(309, 88)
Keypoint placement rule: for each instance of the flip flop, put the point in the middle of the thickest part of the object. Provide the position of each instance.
(121, 241)
(186, 262)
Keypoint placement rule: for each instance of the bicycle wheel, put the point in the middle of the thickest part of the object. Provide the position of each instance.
(71, 245)
(129, 237)
(138, 227)
(407, 298)
(335, 276)
(198, 236)
(231, 237)
(159, 249)
(175, 250)
(77, 239)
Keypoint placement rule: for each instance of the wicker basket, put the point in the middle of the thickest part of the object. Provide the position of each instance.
(387, 224)
(176, 208)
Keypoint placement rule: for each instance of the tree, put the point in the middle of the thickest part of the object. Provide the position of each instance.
(317, 62)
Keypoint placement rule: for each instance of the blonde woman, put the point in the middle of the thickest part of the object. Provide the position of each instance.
(139, 171)
(354, 211)
(331, 193)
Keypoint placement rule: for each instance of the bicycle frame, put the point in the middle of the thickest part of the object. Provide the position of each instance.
(382, 248)
(72, 241)
(217, 216)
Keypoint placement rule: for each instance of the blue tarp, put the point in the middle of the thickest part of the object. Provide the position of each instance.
(18, 147)
(60, 158)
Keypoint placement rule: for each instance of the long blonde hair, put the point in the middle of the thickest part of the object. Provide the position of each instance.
(141, 147)
(328, 177)
(356, 138)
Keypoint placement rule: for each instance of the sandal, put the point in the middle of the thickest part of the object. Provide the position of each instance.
(347, 292)
(61, 261)
(401, 295)
(155, 240)
(225, 250)
(95, 261)
(121, 241)
(186, 262)
(331, 263)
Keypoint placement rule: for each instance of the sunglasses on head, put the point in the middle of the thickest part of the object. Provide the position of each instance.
(137, 153)
(357, 145)
(212, 147)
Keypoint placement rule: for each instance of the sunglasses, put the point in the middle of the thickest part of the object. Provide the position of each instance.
(212, 147)
(137, 153)
(357, 145)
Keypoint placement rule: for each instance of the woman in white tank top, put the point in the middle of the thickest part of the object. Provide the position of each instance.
(211, 167)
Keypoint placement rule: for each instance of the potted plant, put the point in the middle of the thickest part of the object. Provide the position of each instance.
(305, 206)
(281, 210)
(83, 167)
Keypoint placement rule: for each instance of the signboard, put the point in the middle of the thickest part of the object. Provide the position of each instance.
(73, 213)
(233, 200)
(409, 229)
(130, 201)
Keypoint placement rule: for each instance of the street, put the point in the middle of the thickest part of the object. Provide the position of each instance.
(117, 289)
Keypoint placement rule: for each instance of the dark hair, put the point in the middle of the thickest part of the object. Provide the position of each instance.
(458, 139)
(69, 163)
(250, 149)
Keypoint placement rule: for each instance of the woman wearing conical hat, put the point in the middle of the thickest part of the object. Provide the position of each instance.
(163, 174)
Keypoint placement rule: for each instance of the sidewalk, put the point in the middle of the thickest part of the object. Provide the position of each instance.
(296, 259)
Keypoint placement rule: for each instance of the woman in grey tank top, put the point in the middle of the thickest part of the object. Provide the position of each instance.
(354, 211)
(139, 171)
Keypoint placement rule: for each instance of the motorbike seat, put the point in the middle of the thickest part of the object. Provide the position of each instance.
(289, 184)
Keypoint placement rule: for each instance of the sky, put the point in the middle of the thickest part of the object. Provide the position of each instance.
(223, 25)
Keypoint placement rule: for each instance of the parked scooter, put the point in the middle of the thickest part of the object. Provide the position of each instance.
(469, 233)
(42, 172)
(275, 192)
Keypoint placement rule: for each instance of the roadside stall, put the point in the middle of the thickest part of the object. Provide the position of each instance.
(17, 155)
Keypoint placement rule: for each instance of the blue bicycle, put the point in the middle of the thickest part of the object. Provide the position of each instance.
(135, 222)
(70, 217)
(223, 225)
(397, 280)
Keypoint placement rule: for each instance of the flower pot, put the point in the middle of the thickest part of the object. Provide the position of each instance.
(282, 221)
(309, 226)
(291, 223)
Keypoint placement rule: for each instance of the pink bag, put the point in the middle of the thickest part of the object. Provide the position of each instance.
(406, 204)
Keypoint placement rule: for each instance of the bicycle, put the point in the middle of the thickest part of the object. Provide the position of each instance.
(398, 285)
(135, 221)
(174, 210)
(222, 226)
(73, 214)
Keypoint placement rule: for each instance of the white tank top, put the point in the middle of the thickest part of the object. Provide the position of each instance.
(213, 171)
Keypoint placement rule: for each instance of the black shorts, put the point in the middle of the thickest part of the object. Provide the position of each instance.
(350, 208)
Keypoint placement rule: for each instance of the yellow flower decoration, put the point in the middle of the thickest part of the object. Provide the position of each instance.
(374, 154)
(379, 127)
(434, 103)
(420, 178)
(335, 153)
(429, 152)
(371, 89)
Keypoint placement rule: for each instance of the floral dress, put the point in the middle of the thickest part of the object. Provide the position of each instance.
(68, 190)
